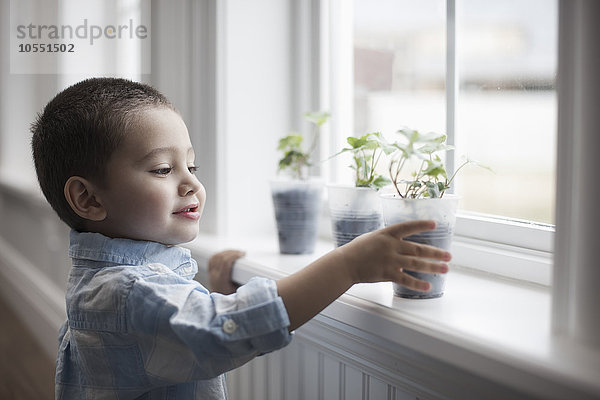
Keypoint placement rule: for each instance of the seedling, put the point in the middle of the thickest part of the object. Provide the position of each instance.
(295, 159)
(430, 180)
(366, 153)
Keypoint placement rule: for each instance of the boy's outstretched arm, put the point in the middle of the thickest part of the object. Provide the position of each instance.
(374, 257)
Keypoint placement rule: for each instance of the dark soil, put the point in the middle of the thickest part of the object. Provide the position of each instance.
(347, 229)
(441, 237)
(297, 216)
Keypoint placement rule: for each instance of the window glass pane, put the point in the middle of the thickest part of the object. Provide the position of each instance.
(506, 110)
(399, 66)
(507, 52)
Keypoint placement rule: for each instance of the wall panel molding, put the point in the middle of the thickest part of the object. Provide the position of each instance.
(330, 360)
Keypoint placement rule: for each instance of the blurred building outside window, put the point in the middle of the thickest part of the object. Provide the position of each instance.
(506, 58)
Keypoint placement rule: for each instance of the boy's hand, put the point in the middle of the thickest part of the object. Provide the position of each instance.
(378, 256)
(220, 267)
(383, 256)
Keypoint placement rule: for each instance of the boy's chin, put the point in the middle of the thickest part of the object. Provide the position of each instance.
(180, 239)
(166, 237)
(168, 240)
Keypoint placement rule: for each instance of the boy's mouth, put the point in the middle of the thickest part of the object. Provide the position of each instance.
(190, 211)
(188, 208)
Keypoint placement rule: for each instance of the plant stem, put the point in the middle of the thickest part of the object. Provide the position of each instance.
(420, 192)
(365, 170)
(356, 161)
(314, 139)
(370, 177)
(446, 184)
(456, 172)
(395, 179)
(417, 179)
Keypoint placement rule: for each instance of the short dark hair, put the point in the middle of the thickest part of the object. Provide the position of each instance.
(80, 128)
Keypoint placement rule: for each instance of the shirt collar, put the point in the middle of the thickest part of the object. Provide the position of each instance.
(97, 247)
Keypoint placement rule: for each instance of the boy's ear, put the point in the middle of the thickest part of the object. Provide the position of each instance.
(83, 199)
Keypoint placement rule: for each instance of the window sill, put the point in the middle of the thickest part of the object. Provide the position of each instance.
(494, 327)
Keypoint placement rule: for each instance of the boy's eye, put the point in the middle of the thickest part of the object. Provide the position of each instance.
(193, 169)
(162, 171)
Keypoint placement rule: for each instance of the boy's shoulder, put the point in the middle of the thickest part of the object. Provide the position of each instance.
(113, 277)
(101, 298)
(110, 267)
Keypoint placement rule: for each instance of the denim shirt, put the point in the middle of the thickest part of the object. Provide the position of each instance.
(140, 327)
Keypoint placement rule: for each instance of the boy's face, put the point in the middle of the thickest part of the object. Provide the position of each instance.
(150, 191)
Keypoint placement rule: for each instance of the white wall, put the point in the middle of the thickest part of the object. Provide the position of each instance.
(22, 96)
(236, 100)
(254, 99)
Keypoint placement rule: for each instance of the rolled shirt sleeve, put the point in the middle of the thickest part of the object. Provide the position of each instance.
(186, 333)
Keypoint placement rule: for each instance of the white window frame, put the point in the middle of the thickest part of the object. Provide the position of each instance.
(503, 246)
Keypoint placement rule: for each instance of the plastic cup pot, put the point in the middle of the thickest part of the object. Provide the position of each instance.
(297, 207)
(353, 211)
(443, 212)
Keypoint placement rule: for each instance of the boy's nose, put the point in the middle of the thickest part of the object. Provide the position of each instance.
(189, 186)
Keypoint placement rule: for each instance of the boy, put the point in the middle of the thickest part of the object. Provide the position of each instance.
(114, 159)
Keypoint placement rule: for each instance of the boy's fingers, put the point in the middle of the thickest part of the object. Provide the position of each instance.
(234, 255)
(424, 251)
(404, 229)
(413, 283)
(227, 256)
(422, 265)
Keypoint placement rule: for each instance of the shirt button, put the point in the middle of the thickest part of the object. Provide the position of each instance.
(229, 326)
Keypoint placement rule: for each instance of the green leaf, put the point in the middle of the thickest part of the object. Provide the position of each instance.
(371, 145)
(432, 190)
(410, 134)
(363, 142)
(407, 151)
(442, 186)
(317, 117)
(437, 173)
(480, 165)
(432, 137)
(352, 141)
(430, 148)
(289, 158)
(434, 169)
(388, 148)
(362, 183)
(356, 142)
(380, 182)
(293, 141)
